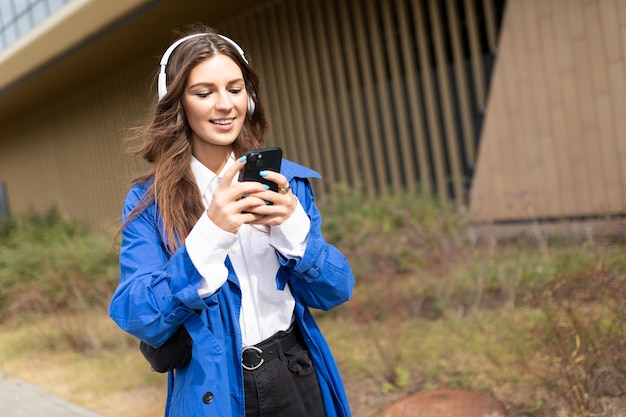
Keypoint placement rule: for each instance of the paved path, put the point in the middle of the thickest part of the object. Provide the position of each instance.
(19, 399)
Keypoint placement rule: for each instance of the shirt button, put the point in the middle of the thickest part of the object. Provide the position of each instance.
(207, 398)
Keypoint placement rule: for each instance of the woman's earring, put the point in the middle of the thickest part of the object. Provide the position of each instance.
(251, 106)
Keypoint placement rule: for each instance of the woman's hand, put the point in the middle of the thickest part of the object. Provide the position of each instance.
(278, 206)
(229, 209)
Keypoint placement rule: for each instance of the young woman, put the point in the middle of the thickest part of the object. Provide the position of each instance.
(236, 264)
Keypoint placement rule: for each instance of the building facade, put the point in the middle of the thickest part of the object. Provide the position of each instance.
(511, 108)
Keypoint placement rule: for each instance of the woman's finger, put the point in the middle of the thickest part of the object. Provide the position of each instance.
(279, 179)
(231, 172)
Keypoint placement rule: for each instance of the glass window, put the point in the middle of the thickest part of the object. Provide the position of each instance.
(5, 12)
(17, 17)
(4, 202)
(39, 12)
(20, 6)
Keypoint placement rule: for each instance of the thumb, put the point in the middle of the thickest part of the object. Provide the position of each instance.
(229, 175)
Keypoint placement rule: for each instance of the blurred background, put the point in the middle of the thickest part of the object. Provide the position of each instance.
(510, 108)
(456, 138)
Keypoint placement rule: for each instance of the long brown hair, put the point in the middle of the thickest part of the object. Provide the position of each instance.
(165, 139)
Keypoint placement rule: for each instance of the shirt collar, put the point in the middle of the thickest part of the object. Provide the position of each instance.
(204, 176)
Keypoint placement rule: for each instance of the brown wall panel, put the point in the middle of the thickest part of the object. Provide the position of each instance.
(474, 46)
(596, 53)
(617, 74)
(415, 109)
(406, 156)
(463, 99)
(555, 58)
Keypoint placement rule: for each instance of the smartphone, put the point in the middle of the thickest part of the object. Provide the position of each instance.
(266, 159)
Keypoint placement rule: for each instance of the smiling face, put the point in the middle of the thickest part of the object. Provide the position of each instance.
(215, 103)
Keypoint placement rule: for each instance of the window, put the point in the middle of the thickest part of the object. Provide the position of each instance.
(17, 17)
(4, 202)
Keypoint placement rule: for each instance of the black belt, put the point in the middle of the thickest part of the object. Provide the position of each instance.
(252, 357)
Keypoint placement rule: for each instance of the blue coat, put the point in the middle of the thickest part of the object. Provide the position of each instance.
(158, 292)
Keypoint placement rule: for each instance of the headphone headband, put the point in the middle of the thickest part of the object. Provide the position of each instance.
(162, 80)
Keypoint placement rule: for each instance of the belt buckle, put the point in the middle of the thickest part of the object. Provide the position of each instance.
(258, 351)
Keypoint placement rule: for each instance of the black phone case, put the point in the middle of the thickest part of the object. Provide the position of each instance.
(266, 159)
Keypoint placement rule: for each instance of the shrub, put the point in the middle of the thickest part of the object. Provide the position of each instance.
(395, 245)
(583, 335)
(49, 264)
(391, 234)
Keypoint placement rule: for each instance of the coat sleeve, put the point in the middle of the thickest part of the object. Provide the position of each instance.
(322, 278)
(156, 291)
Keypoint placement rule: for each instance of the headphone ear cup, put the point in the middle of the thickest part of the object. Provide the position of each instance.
(251, 106)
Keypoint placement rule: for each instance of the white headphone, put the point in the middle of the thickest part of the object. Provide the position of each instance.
(162, 80)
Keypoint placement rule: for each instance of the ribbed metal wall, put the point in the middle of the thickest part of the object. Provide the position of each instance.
(383, 95)
(71, 153)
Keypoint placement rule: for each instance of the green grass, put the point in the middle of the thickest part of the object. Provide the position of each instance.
(49, 264)
(110, 380)
(432, 308)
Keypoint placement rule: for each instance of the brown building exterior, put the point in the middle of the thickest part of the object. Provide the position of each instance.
(554, 139)
(512, 108)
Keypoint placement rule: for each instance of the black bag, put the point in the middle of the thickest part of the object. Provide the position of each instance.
(174, 353)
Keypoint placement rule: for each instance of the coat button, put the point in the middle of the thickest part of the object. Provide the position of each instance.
(207, 398)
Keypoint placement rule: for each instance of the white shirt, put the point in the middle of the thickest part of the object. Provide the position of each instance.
(252, 251)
